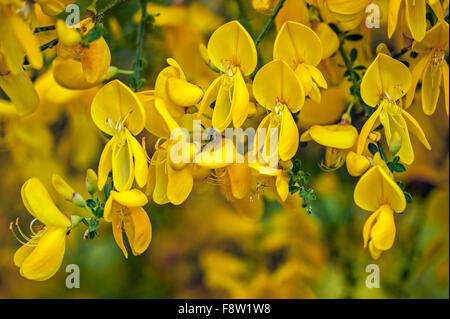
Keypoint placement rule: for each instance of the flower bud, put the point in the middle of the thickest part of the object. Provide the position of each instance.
(375, 136)
(263, 6)
(357, 164)
(395, 144)
(91, 181)
(67, 36)
(67, 191)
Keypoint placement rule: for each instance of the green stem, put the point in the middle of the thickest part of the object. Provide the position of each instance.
(125, 72)
(350, 107)
(109, 6)
(139, 43)
(270, 21)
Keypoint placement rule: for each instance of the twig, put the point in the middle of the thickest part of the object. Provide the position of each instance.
(139, 43)
(270, 21)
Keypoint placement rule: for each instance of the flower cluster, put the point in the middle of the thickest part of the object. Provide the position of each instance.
(166, 139)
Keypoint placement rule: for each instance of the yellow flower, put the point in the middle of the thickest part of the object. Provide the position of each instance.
(377, 192)
(19, 88)
(124, 210)
(431, 68)
(168, 181)
(277, 88)
(17, 39)
(301, 48)
(412, 14)
(232, 51)
(357, 164)
(77, 67)
(177, 93)
(349, 13)
(384, 84)
(69, 37)
(54, 7)
(338, 140)
(118, 112)
(263, 6)
(41, 255)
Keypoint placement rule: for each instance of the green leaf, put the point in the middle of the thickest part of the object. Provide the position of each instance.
(399, 168)
(91, 203)
(107, 189)
(408, 197)
(401, 185)
(99, 212)
(353, 55)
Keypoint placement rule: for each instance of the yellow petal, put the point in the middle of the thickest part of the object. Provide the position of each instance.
(222, 114)
(209, 97)
(217, 155)
(116, 102)
(142, 230)
(67, 36)
(375, 188)
(414, 127)
(179, 184)
(13, 52)
(105, 164)
(446, 84)
(296, 43)
(53, 7)
(183, 93)
(27, 39)
(69, 74)
(374, 252)
(305, 78)
(336, 136)
(329, 39)
(276, 83)
(162, 88)
(140, 161)
(289, 137)
(416, 18)
(44, 261)
(239, 101)
(368, 226)
(160, 191)
(431, 87)
(383, 231)
(122, 166)
(357, 164)
(96, 60)
(39, 203)
(131, 198)
(21, 92)
(317, 76)
(240, 179)
(417, 74)
(394, 8)
(231, 45)
(282, 187)
(118, 233)
(386, 78)
(366, 129)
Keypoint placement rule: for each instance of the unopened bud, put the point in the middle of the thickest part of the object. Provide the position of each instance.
(66, 191)
(67, 36)
(357, 164)
(91, 181)
(395, 144)
(375, 136)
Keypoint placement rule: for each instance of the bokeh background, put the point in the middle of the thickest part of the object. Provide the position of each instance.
(205, 248)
